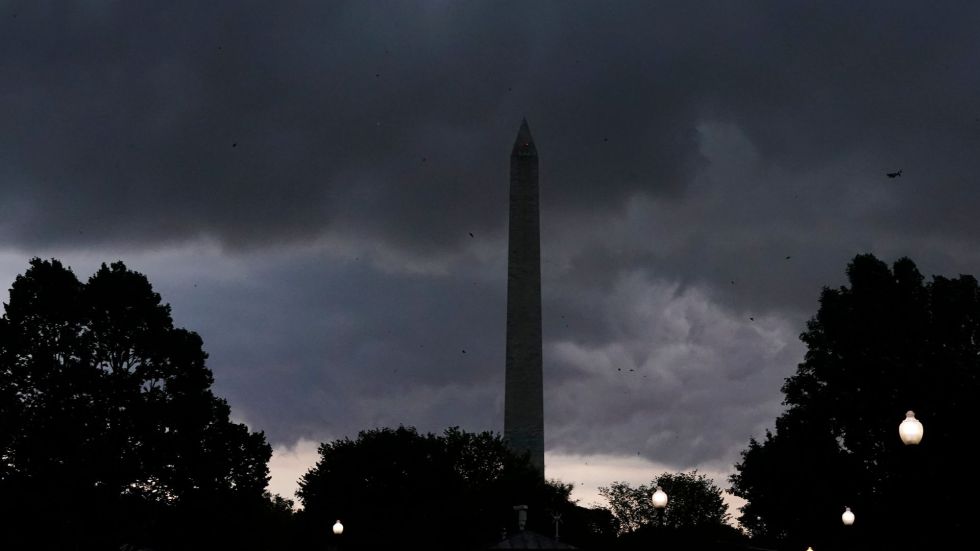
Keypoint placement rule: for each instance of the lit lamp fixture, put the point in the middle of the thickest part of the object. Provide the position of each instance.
(910, 430)
(338, 528)
(659, 498)
(809, 549)
(848, 517)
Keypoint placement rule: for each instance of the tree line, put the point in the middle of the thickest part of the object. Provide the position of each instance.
(109, 431)
(111, 437)
(888, 342)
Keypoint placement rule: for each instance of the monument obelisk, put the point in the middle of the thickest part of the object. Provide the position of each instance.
(524, 389)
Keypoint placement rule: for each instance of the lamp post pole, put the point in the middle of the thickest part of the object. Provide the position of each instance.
(659, 499)
(847, 519)
(911, 431)
(338, 530)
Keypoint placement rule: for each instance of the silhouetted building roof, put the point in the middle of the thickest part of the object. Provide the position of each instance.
(530, 540)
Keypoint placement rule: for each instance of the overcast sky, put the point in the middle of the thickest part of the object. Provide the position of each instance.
(320, 190)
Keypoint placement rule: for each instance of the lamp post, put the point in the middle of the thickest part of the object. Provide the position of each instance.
(338, 530)
(847, 537)
(659, 499)
(911, 431)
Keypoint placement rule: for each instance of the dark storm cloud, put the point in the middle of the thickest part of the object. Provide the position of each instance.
(705, 168)
(306, 344)
(254, 122)
(248, 122)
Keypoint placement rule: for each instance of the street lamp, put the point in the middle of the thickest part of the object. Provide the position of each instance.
(848, 517)
(338, 529)
(659, 499)
(910, 430)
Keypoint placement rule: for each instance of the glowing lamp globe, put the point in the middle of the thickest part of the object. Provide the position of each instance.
(659, 499)
(338, 528)
(910, 430)
(848, 517)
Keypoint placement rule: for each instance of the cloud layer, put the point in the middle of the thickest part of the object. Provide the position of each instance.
(320, 190)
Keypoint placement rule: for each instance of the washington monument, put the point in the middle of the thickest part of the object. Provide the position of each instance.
(523, 389)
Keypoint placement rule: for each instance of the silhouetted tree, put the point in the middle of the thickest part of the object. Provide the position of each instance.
(109, 430)
(592, 527)
(693, 500)
(696, 515)
(888, 343)
(396, 488)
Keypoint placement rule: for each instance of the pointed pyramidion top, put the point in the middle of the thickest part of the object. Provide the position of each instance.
(524, 145)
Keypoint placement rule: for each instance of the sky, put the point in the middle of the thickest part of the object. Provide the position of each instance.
(319, 189)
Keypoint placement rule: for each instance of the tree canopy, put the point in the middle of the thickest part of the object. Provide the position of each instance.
(693, 500)
(109, 430)
(887, 343)
(443, 491)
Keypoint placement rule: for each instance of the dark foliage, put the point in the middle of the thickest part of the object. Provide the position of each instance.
(710, 537)
(693, 501)
(396, 488)
(696, 516)
(109, 431)
(888, 343)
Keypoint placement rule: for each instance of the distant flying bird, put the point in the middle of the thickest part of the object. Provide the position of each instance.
(471, 234)
(895, 174)
(788, 257)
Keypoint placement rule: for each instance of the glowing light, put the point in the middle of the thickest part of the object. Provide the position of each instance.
(659, 499)
(910, 430)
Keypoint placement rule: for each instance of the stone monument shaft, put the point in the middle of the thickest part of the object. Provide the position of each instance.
(524, 389)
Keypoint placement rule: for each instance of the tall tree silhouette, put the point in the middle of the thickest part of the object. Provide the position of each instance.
(693, 500)
(887, 343)
(392, 487)
(109, 430)
(696, 516)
